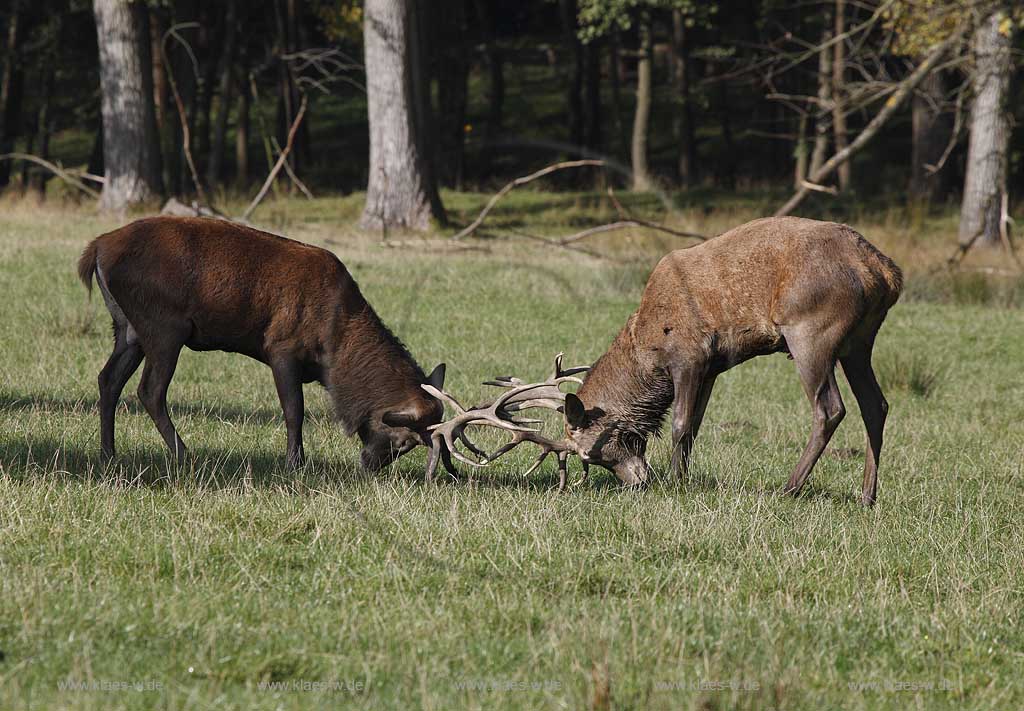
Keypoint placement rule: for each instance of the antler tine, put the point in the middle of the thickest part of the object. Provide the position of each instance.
(518, 396)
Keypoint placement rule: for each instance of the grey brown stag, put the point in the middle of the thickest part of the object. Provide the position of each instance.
(816, 290)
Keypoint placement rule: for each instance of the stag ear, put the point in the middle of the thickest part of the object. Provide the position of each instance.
(436, 377)
(575, 413)
(402, 418)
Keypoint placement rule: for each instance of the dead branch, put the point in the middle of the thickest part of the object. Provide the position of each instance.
(186, 135)
(1004, 230)
(625, 215)
(291, 173)
(280, 160)
(623, 224)
(522, 181)
(904, 89)
(831, 190)
(55, 169)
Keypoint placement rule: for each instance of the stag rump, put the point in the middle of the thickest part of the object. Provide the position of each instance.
(215, 285)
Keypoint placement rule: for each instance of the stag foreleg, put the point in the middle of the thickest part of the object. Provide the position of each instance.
(692, 390)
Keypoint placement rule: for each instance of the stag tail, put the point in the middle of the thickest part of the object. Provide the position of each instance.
(87, 265)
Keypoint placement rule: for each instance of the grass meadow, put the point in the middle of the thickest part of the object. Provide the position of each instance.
(231, 583)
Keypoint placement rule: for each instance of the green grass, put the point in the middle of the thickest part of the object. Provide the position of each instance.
(216, 577)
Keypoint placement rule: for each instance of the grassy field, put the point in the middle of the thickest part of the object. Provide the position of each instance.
(231, 583)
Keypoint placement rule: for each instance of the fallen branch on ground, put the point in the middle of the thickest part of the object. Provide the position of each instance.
(523, 181)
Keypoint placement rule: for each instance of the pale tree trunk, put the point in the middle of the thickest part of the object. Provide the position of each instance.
(930, 128)
(839, 94)
(825, 100)
(800, 153)
(990, 133)
(400, 192)
(641, 119)
(131, 155)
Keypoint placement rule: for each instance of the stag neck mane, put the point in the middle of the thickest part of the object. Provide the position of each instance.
(365, 352)
(635, 396)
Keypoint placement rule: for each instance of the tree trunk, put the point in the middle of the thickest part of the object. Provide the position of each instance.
(616, 72)
(985, 183)
(930, 133)
(131, 155)
(641, 119)
(838, 94)
(453, 62)
(227, 83)
(821, 127)
(400, 192)
(575, 89)
(10, 94)
(682, 123)
(592, 135)
(242, 131)
(800, 153)
(496, 70)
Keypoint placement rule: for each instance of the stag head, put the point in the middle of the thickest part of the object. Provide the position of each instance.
(501, 414)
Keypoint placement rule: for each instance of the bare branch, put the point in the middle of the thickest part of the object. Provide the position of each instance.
(186, 136)
(904, 89)
(55, 169)
(522, 181)
(280, 161)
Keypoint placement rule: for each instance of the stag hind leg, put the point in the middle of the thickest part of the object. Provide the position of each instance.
(123, 362)
(873, 410)
(814, 352)
(161, 361)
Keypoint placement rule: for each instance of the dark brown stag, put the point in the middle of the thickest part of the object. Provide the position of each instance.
(215, 285)
(817, 290)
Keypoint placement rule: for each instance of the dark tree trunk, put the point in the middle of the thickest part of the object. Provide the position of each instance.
(226, 67)
(10, 93)
(575, 88)
(400, 192)
(682, 124)
(242, 131)
(131, 154)
(496, 73)
(822, 129)
(616, 72)
(641, 119)
(981, 211)
(592, 133)
(452, 92)
(931, 129)
(839, 94)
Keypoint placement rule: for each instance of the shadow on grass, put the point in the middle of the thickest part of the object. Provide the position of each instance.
(10, 401)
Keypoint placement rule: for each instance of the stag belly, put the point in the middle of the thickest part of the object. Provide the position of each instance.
(731, 346)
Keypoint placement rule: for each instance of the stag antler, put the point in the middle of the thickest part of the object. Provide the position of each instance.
(519, 396)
